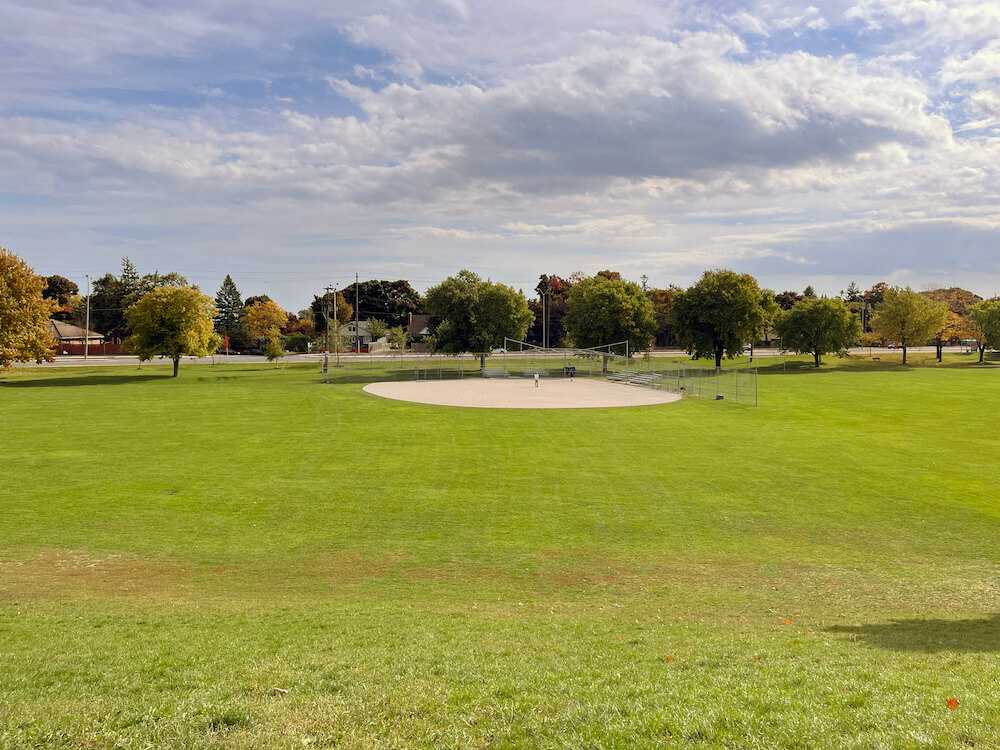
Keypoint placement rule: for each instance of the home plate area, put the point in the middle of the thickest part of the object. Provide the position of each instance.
(521, 393)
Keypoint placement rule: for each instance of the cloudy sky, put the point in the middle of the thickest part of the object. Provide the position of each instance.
(293, 144)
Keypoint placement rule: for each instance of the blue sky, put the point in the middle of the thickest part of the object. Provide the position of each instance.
(807, 143)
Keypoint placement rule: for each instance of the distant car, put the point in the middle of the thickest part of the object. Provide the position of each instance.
(499, 351)
(893, 345)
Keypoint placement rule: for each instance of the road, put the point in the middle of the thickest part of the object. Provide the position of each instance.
(95, 361)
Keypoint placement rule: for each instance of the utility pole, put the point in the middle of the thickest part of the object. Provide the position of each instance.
(336, 320)
(86, 331)
(357, 314)
(542, 295)
(326, 346)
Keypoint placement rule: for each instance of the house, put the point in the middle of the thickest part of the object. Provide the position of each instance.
(66, 333)
(361, 333)
(417, 327)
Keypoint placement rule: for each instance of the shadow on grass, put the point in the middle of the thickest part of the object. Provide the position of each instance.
(981, 635)
(846, 365)
(342, 378)
(75, 380)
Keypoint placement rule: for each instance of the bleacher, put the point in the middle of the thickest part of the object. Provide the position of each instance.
(648, 379)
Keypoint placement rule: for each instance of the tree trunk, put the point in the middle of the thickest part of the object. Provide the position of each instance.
(940, 348)
(982, 351)
(816, 356)
(482, 363)
(177, 362)
(718, 357)
(904, 354)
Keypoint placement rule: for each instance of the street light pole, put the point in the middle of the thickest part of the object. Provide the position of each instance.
(86, 330)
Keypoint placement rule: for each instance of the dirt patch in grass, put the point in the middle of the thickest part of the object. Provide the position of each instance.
(78, 574)
(74, 573)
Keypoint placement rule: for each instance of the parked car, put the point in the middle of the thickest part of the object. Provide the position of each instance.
(893, 345)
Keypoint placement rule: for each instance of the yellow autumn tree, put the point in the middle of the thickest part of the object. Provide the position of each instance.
(908, 317)
(172, 322)
(264, 321)
(24, 312)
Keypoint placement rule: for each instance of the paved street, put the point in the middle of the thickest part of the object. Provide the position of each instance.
(94, 361)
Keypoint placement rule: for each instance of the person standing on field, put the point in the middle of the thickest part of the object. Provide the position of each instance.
(536, 380)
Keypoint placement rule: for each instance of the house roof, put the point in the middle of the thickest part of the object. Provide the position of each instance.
(63, 331)
(417, 325)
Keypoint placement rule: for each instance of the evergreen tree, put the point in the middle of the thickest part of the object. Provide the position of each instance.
(229, 305)
(809, 293)
(129, 280)
(853, 294)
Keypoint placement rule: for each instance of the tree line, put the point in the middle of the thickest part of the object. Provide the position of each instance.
(163, 315)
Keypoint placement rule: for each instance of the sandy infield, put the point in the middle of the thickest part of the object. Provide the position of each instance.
(521, 393)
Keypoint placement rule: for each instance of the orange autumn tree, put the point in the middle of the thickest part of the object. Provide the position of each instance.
(956, 328)
(24, 313)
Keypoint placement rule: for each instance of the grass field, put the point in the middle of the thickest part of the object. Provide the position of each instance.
(818, 572)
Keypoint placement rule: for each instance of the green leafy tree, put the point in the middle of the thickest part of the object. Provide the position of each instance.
(399, 338)
(606, 309)
(391, 301)
(472, 315)
(723, 311)
(809, 293)
(172, 322)
(154, 280)
(256, 299)
(818, 327)
(663, 305)
(377, 328)
(787, 299)
(24, 313)
(273, 350)
(985, 316)
(296, 341)
(908, 317)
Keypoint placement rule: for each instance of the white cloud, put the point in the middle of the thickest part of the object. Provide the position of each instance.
(659, 137)
(983, 65)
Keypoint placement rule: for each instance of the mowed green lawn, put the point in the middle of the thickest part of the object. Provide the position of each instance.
(818, 572)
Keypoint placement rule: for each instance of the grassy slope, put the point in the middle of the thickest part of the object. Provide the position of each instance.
(173, 549)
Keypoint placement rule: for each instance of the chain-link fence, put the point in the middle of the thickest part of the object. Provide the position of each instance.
(728, 384)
